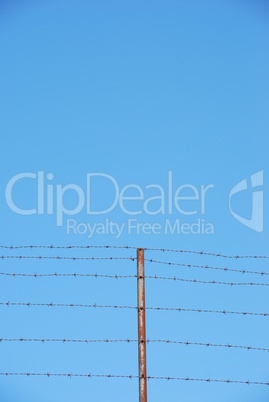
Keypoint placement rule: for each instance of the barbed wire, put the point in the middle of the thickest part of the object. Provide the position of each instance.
(45, 257)
(148, 341)
(179, 309)
(213, 282)
(181, 251)
(74, 258)
(66, 247)
(153, 308)
(131, 376)
(208, 344)
(116, 276)
(209, 267)
(167, 250)
(226, 269)
(72, 275)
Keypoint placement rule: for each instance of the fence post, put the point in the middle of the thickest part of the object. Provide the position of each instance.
(141, 326)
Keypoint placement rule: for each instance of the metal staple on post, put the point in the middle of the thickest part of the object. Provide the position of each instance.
(141, 326)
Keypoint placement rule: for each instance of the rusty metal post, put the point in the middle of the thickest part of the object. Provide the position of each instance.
(141, 326)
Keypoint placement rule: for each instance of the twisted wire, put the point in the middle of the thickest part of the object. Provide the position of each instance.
(180, 251)
(179, 309)
(116, 276)
(131, 376)
(45, 257)
(165, 341)
(207, 267)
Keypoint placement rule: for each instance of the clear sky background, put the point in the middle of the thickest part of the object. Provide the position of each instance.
(134, 90)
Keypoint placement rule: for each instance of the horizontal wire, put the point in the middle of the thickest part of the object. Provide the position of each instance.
(44, 257)
(66, 247)
(226, 269)
(166, 341)
(208, 344)
(179, 309)
(206, 253)
(95, 275)
(132, 248)
(213, 282)
(73, 275)
(90, 375)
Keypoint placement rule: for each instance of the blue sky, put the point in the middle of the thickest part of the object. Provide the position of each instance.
(134, 91)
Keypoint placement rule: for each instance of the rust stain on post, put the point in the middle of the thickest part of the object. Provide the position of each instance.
(141, 326)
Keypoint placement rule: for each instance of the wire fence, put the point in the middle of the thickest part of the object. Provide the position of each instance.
(100, 275)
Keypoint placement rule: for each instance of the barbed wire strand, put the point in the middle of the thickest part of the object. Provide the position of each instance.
(226, 269)
(179, 309)
(111, 376)
(167, 250)
(165, 341)
(213, 282)
(45, 257)
(66, 247)
(11, 247)
(116, 276)
(72, 275)
(208, 267)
